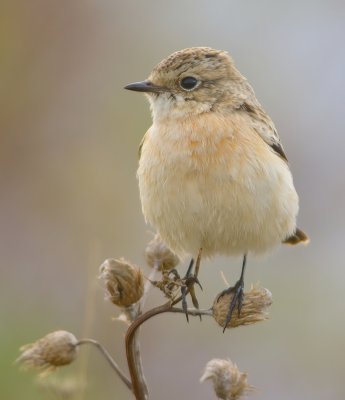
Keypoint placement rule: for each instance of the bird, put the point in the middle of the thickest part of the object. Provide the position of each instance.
(213, 174)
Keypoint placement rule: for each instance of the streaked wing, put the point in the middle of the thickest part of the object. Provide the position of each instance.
(264, 127)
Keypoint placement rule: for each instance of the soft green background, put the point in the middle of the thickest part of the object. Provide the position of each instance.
(69, 199)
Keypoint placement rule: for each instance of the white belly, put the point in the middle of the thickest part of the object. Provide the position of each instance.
(223, 202)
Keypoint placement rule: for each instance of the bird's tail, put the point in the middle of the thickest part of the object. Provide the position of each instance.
(298, 237)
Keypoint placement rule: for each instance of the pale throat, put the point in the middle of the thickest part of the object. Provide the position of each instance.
(167, 107)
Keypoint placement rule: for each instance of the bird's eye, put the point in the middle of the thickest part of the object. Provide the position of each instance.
(189, 83)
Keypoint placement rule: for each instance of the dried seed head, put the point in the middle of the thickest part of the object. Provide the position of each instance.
(124, 283)
(228, 382)
(53, 350)
(159, 256)
(254, 307)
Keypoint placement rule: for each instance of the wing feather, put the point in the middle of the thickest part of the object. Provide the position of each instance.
(264, 127)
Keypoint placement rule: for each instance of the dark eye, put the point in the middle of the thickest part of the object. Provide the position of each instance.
(188, 83)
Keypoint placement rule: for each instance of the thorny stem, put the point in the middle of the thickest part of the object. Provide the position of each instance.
(111, 361)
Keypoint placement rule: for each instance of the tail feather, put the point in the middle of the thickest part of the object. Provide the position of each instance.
(298, 237)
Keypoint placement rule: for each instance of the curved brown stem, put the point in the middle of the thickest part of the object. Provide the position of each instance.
(137, 361)
(138, 386)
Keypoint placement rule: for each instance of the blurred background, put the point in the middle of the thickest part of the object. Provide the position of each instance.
(69, 198)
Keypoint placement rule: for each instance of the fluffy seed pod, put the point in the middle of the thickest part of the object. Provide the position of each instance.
(53, 350)
(158, 255)
(229, 382)
(254, 307)
(124, 284)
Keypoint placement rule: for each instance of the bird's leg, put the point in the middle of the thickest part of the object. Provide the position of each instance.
(196, 270)
(237, 291)
(185, 287)
(190, 280)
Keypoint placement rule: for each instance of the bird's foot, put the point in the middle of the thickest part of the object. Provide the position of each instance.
(237, 300)
(189, 280)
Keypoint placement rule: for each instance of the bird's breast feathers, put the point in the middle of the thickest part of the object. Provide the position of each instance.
(213, 182)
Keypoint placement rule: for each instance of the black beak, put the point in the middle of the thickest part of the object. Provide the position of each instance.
(144, 86)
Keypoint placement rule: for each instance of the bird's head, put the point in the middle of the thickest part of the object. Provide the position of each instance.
(193, 81)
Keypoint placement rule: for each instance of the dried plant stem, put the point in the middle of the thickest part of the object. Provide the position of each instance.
(191, 311)
(111, 361)
(134, 360)
(138, 366)
(139, 386)
(136, 354)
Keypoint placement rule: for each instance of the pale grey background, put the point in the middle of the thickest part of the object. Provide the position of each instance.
(69, 198)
